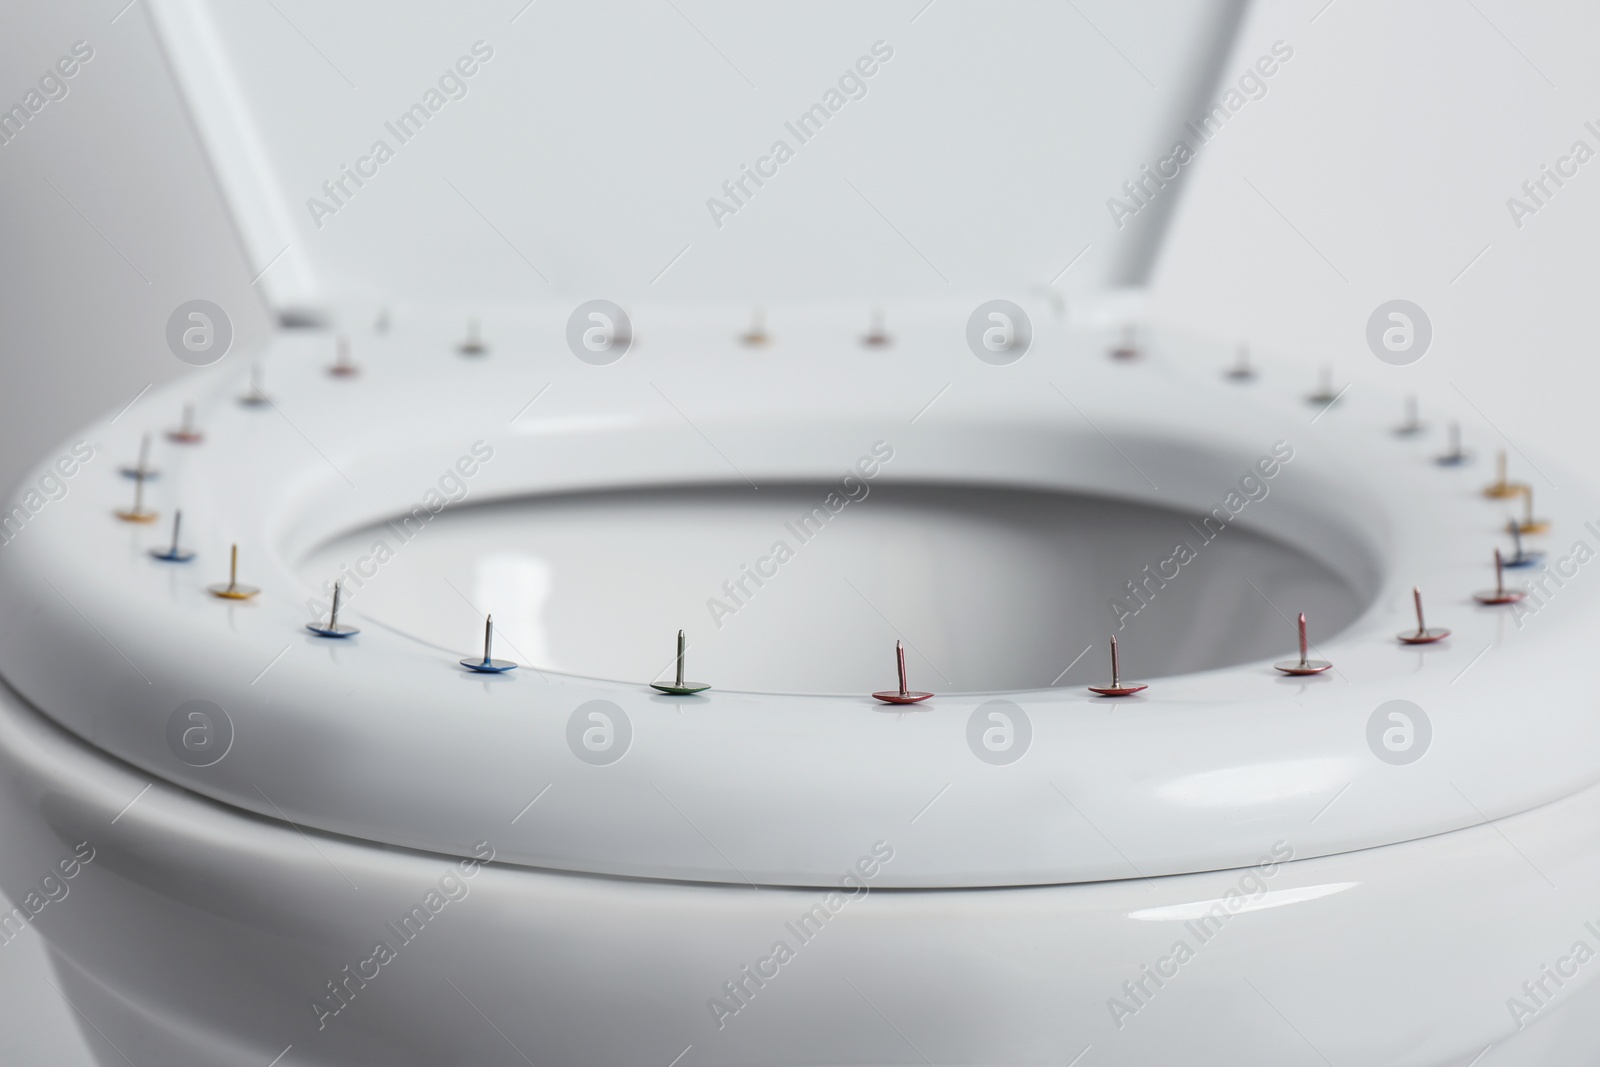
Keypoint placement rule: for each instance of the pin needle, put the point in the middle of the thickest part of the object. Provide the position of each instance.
(488, 665)
(1499, 594)
(186, 434)
(877, 336)
(233, 590)
(1523, 557)
(1413, 424)
(1457, 455)
(1304, 665)
(334, 628)
(1529, 524)
(757, 334)
(679, 687)
(173, 554)
(1501, 489)
(142, 471)
(1422, 635)
(342, 366)
(1116, 688)
(903, 695)
(137, 513)
(473, 345)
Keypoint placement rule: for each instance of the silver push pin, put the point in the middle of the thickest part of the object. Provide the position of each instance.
(1522, 557)
(232, 590)
(343, 366)
(172, 553)
(1413, 424)
(679, 687)
(1325, 393)
(186, 433)
(1304, 665)
(877, 334)
(1502, 488)
(1457, 455)
(488, 664)
(1499, 594)
(473, 345)
(1117, 688)
(255, 397)
(1128, 347)
(137, 513)
(335, 628)
(1422, 635)
(903, 695)
(1242, 371)
(756, 336)
(142, 471)
(1529, 524)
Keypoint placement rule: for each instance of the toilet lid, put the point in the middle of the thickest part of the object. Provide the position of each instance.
(386, 738)
(485, 152)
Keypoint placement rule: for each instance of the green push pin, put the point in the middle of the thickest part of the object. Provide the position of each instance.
(679, 687)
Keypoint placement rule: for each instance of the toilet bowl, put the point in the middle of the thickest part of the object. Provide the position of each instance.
(249, 840)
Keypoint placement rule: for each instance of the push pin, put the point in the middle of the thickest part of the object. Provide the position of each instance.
(1523, 557)
(381, 323)
(757, 334)
(1422, 635)
(1127, 348)
(1325, 393)
(877, 335)
(473, 345)
(142, 471)
(172, 553)
(1499, 594)
(1242, 371)
(233, 590)
(1457, 455)
(186, 433)
(343, 366)
(904, 696)
(1529, 524)
(137, 513)
(1116, 688)
(1305, 665)
(1502, 489)
(1413, 424)
(255, 397)
(335, 628)
(679, 687)
(488, 665)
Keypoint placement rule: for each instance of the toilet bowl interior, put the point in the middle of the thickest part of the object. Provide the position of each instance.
(995, 588)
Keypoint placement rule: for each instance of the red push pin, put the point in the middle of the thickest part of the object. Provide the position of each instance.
(1128, 347)
(1304, 665)
(904, 696)
(1499, 594)
(1422, 635)
(186, 433)
(878, 335)
(1116, 688)
(343, 366)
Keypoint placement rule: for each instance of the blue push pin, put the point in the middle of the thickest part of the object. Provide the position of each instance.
(143, 472)
(172, 553)
(1522, 558)
(335, 628)
(488, 665)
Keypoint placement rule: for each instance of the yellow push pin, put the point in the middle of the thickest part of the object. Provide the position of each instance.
(757, 335)
(1529, 524)
(137, 513)
(233, 590)
(1501, 489)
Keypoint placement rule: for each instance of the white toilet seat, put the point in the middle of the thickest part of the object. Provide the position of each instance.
(1199, 775)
